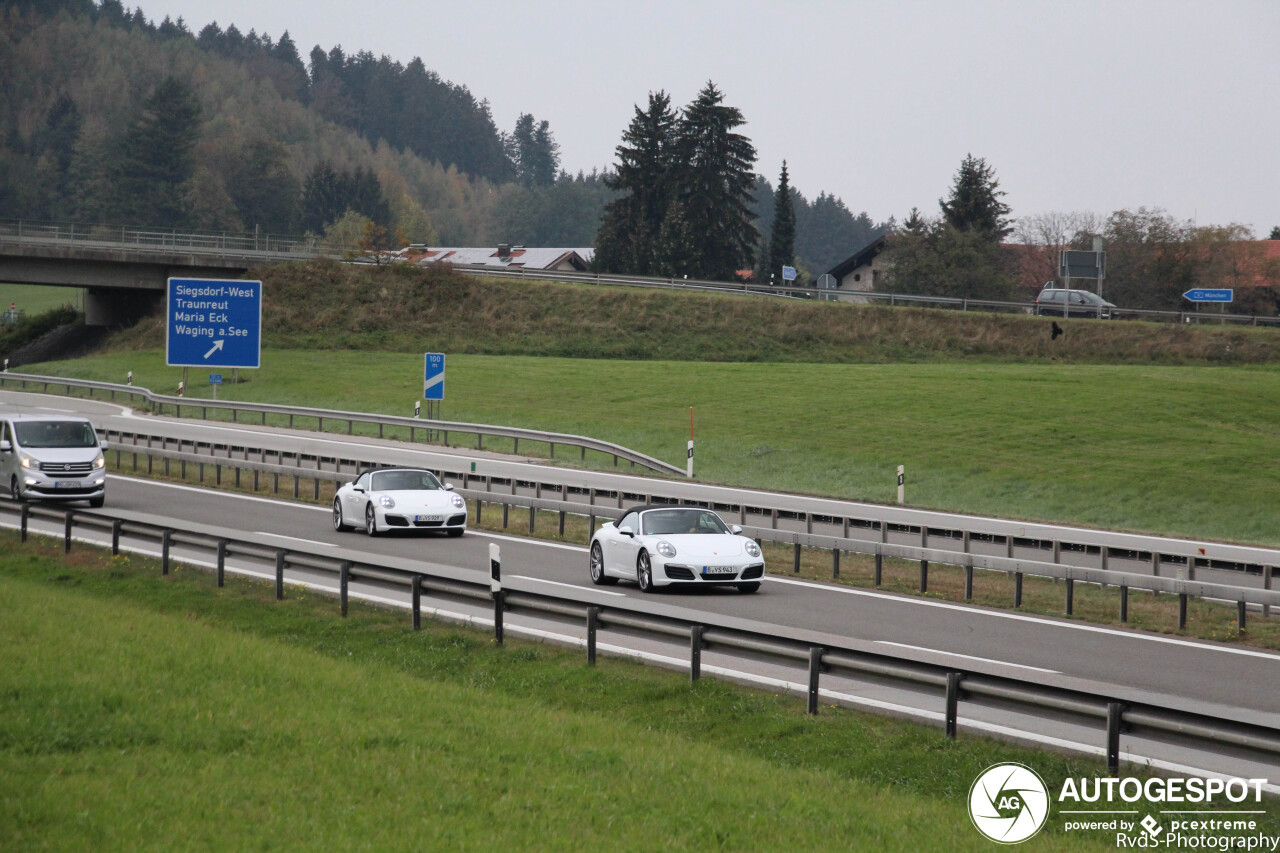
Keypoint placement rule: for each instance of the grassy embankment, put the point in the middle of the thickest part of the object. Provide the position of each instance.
(140, 712)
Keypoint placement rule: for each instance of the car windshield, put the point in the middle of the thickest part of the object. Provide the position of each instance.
(404, 481)
(666, 522)
(55, 434)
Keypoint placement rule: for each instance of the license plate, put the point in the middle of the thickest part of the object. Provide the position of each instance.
(423, 518)
(719, 570)
(66, 484)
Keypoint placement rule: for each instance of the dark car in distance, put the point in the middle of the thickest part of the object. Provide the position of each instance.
(1064, 302)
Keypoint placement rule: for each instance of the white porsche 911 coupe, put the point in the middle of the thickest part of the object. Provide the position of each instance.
(658, 546)
(383, 499)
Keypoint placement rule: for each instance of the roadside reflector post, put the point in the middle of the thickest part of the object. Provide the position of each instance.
(66, 547)
(1240, 616)
(344, 582)
(953, 702)
(902, 484)
(796, 563)
(417, 602)
(164, 551)
(222, 562)
(924, 575)
(879, 569)
(280, 575)
(968, 583)
(1182, 610)
(1071, 595)
(1124, 602)
(593, 623)
(689, 470)
(815, 671)
(695, 654)
(25, 519)
(116, 524)
(835, 563)
(1017, 589)
(1115, 712)
(495, 586)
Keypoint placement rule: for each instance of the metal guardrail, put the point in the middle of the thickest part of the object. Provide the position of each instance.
(1120, 707)
(1017, 568)
(860, 296)
(1180, 556)
(157, 403)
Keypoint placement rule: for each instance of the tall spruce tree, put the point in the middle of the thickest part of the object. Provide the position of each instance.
(158, 157)
(629, 233)
(715, 180)
(974, 204)
(782, 237)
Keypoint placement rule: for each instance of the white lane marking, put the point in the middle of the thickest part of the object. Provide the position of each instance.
(1019, 617)
(923, 602)
(208, 491)
(569, 585)
(296, 539)
(966, 657)
(579, 548)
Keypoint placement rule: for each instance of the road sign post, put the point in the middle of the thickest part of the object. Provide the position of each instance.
(213, 323)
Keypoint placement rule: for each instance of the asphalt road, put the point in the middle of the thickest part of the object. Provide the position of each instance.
(1172, 666)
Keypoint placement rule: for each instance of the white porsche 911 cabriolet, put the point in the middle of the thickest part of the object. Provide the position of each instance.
(658, 546)
(383, 499)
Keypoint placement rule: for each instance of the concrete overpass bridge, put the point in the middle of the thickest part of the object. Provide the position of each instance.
(124, 270)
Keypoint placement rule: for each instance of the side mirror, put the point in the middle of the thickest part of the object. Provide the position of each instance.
(356, 488)
(736, 529)
(5, 446)
(448, 487)
(102, 445)
(626, 530)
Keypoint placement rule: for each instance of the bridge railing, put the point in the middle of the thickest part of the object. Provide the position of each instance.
(159, 239)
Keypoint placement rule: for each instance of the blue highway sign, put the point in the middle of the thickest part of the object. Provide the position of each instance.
(1201, 294)
(788, 273)
(433, 376)
(213, 323)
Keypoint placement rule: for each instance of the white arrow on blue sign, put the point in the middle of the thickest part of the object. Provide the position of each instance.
(213, 323)
(1201, 294)
(433, 376)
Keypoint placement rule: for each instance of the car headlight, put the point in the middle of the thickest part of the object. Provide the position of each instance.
(385, 500)
(458, 501)
(27, 462)
(100, 462)
(666, 549)
(753, 550)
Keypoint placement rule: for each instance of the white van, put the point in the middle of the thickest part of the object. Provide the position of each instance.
(51, 457)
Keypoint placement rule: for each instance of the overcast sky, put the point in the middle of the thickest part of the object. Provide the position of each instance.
(1079, 106)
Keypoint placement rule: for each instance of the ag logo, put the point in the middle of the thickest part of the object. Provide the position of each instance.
(1008, 803)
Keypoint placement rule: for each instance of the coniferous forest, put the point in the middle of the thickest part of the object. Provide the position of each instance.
(107, 117)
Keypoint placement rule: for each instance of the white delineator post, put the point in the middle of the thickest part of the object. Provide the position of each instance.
(902, 479)
(690, 468)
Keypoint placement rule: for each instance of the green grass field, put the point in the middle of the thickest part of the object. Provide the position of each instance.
(147, 713)
(1182, 451)
(33, 299)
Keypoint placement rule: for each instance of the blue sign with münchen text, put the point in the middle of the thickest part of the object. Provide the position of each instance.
(1204, 294)
(213, 323)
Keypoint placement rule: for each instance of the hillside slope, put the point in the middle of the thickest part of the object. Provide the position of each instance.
(328, 305)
